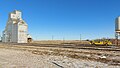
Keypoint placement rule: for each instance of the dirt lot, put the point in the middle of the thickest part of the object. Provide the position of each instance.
(58, 56)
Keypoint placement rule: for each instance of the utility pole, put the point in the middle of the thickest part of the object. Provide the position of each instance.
(63, 40)
(36, 37)
(80, 38)
(52, 37)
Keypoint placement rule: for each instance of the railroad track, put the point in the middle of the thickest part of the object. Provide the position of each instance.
(92, 54)
(73, 46)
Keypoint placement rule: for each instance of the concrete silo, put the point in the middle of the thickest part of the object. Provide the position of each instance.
(16, 29)
(117, 25)
(117, 28)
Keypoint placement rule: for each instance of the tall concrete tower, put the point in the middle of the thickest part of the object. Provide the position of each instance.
(16, 29)
(117, 29)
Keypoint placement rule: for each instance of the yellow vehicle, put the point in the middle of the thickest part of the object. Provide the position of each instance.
(100, 42)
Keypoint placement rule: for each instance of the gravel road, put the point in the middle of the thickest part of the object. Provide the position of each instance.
(18, 57)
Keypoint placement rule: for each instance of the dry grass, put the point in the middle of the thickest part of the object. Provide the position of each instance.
(61, 42)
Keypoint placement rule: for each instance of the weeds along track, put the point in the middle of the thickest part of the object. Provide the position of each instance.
(105, 54)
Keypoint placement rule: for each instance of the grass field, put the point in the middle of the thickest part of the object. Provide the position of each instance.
(61, 42)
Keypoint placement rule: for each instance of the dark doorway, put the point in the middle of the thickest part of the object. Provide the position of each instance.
(29, 40)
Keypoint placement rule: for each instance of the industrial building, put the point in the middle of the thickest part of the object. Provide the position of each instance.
(117, 25)
(117, 30)
(16, 29)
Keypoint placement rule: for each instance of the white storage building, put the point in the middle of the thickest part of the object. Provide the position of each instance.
(16, 29)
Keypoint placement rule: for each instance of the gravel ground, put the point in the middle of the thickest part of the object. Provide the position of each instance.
(16, 58)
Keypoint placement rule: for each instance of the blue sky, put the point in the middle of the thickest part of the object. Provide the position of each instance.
(64, 18)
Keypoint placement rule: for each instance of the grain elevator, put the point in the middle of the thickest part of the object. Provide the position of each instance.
(16, 29)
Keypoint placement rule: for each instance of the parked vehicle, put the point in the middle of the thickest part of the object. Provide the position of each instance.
(101, 42)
